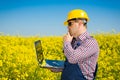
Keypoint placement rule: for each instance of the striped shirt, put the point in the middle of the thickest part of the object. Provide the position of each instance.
(83, 51)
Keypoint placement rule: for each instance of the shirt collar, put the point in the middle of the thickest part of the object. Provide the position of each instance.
(83, 36)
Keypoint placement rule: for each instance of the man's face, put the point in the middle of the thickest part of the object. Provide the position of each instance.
(73, 27)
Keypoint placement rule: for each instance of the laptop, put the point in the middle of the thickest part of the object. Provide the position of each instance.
(46, 63)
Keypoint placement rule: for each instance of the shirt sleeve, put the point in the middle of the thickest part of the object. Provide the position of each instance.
(85, 50)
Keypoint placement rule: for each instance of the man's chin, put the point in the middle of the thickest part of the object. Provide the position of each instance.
(71, 34)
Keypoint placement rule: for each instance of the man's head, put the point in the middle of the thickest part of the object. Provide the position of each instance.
(77, 22)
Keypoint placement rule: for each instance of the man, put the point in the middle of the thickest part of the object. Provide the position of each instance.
(80, 49)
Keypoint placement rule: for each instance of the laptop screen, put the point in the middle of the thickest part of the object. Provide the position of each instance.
(39, 51)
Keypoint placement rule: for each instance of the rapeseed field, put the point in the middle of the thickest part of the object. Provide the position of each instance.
(18, 58)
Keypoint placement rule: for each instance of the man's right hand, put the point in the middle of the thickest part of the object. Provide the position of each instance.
(67, 37)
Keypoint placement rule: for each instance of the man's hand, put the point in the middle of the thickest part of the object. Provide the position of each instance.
(67, 37)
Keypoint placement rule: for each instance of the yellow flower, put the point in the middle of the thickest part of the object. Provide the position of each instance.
(1, 64)
(43, 63)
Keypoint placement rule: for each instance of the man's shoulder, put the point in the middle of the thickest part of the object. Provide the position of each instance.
(90, 39)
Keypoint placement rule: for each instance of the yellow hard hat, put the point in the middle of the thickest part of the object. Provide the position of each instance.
(76, 13)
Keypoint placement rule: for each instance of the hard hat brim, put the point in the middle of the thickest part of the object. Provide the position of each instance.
(65, 23)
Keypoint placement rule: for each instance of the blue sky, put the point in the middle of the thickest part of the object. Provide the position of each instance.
(46, 17)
